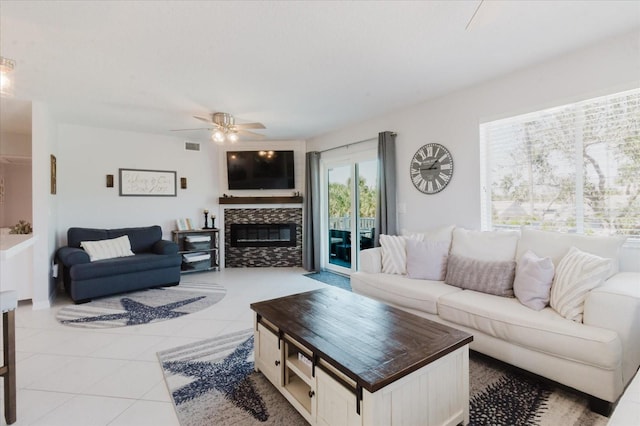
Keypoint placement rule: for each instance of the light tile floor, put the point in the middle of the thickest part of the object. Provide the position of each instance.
(72, 376)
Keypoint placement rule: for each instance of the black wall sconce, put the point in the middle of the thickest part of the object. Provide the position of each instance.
(109, 181)
(183, 183)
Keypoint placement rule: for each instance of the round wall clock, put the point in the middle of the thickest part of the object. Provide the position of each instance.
(431, 168)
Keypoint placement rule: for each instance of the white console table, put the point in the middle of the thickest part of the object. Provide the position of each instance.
(16, 264)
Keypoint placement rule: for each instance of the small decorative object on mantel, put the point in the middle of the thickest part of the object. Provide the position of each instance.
(206, 219)
(22, 227)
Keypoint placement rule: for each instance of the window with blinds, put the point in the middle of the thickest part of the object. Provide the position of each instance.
(574, 168)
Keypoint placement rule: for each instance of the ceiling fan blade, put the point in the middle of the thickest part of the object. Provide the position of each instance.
(250, 126)
(207, 119)
(250, 134)
(199, 128)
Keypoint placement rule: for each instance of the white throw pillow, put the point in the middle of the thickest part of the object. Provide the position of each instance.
(488, 246)
(532, 284)
(577, 274)
(427, 259)
(394, 255)
(108, 249)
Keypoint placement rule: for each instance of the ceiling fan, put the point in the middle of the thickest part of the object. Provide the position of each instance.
(224, 127)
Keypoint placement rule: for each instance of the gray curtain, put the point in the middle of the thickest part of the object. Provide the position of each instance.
(311, 228)
(386, 217)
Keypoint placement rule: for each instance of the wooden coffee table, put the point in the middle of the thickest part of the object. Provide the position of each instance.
(341, 358)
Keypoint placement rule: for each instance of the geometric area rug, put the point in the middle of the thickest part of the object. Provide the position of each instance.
(213, 382)
(142, 307)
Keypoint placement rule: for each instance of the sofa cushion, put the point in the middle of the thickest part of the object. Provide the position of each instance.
(544, 331)
(556, 245)
(577, 274)
(427, 259)
(371, 260)
(108, 249)
(492, 246)
(440, 233)
(487, 277)
(532, 283)
(401, 291)
(142, 239)
(123, 265)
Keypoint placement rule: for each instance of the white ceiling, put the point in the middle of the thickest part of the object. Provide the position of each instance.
(301, 68)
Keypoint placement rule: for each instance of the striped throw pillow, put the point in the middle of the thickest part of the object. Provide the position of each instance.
(394, 252)
(577, 274)
(107, 249)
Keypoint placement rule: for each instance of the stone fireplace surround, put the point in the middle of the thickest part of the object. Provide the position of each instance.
(265, 256)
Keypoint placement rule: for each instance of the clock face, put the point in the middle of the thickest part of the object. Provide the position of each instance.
(431, 168)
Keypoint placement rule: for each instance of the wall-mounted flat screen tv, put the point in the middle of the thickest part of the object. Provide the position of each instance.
(260, 169)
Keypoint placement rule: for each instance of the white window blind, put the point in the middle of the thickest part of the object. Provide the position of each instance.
(574, 168)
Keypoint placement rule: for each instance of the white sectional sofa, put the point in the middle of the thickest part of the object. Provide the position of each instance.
(596, 352)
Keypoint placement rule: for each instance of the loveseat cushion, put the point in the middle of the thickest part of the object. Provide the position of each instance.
(400, 290)
(75, 236)
(544, 331)
(123, 265)
(142, 239)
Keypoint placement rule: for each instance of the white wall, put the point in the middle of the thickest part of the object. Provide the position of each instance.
(44, 143)
(453, 120)
(87, 154)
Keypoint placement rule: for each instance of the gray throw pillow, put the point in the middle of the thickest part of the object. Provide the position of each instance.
(480, 275)
(532, 284)
(427, 259)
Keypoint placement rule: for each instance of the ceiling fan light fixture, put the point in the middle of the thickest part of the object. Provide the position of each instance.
(6, 76)
(218, 136)
(233, 137)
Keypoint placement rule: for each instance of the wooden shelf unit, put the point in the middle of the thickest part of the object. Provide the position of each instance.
(211, 247)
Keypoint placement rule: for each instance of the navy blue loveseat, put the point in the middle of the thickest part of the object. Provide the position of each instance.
(155, 263)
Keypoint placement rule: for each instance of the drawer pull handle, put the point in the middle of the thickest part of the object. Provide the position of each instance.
(311, 394)
(277, 363)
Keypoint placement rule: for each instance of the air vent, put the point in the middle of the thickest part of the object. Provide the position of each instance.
(192, 146)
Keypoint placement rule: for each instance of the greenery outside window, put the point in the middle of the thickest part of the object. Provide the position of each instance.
(573, 168)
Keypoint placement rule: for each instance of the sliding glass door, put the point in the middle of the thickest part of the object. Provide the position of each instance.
(349, 216)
